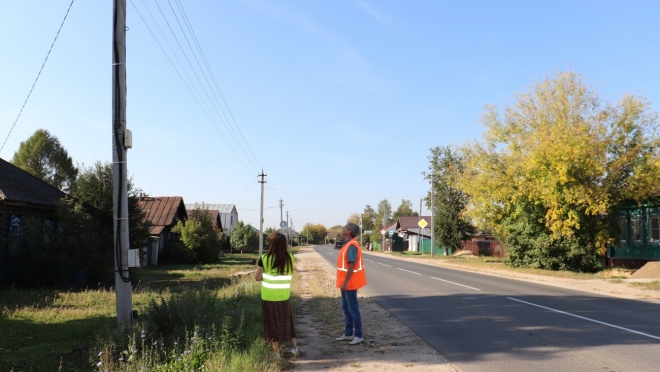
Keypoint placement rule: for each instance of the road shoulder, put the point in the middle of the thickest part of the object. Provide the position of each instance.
(389, 345)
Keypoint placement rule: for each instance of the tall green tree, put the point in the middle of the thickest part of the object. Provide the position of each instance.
(368, 217)
(198, 235)
(404, 209)
(44, 157)
(560, 162)
(93, 188)
(243, 237)
(267, 234)
(316, 232)
(451, 225)
(384, 212)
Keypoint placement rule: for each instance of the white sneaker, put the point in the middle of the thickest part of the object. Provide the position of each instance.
(344, 338)
(356, 340)
(293, 351)
(277, 355)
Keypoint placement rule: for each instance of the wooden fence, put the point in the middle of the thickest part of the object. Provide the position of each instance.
(490, 248)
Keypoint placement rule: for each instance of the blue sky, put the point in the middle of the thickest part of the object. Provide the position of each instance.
(339, 101)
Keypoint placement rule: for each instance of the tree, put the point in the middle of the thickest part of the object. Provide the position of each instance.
(93, 188)
(368, 218)
(451, 225)
(267, 234)
(550, 172)
(405, 209)
(354, 218)
(316, 232)
(43, 156)
(243, 237)
(198, 235)
(384, 213)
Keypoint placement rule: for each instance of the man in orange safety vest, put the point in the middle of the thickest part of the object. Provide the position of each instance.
(350, 278)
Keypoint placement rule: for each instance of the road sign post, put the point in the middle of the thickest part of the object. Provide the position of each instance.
(422, 224)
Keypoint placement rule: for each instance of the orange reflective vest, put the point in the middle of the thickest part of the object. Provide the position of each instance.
(359, 278)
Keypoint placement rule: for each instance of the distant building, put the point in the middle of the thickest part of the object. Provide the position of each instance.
(163, 212)
(21, 195)
(228, 214)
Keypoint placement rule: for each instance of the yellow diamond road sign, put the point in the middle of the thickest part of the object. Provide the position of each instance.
(422, 223)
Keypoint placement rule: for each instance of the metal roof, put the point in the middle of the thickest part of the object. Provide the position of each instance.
(222, 208)
(163, 211)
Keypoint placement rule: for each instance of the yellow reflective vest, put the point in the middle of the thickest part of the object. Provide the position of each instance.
(275, 287)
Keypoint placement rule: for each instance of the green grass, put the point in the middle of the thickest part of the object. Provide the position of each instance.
(50, 330)
(653, 286)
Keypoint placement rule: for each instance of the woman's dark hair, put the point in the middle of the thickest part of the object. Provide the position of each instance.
(278, 249)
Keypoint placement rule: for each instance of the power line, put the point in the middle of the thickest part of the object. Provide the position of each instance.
(197, 76)
(244, 191)
(194, 36)
(233, 135)
(185, 83)
(229, 127)
(39, 74)
(346, 195)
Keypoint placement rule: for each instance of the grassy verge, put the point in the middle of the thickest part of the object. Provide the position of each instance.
(497, 263)
(191, 317)
(653, 286)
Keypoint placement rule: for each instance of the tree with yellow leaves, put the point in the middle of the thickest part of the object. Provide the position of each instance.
(551, 171)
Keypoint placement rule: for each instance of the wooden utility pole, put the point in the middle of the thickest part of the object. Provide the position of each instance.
(261, 215)
(119, 184)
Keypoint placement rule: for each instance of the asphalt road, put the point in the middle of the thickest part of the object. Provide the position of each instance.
(484, 323)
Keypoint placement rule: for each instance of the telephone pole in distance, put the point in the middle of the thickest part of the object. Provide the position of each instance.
(261, 215)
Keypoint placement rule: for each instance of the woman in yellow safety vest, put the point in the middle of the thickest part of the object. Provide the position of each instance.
(275, 271)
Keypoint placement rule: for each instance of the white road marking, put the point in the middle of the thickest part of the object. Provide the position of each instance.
(368, 260)
(462, 285)
(409, 271)
(588, 319)
(383, 264)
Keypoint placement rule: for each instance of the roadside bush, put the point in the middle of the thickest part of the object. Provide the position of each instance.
(177, 253)
(529, 244)
(198, 235)
(194, 330)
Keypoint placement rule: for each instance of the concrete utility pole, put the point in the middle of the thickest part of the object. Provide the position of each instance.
(420, 228)
(432, 219)
(384, 232)
(361, 231)
(288, 230)
(281, 217)
(261, 215)
(119, 186)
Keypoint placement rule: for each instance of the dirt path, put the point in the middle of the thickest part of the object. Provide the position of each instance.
(388, 346)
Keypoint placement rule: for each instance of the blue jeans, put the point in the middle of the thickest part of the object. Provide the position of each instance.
(352, 316)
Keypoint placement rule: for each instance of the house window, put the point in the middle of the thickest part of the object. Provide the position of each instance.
(623, 225)
(636, 221)
(654, 228)
(15, 227)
